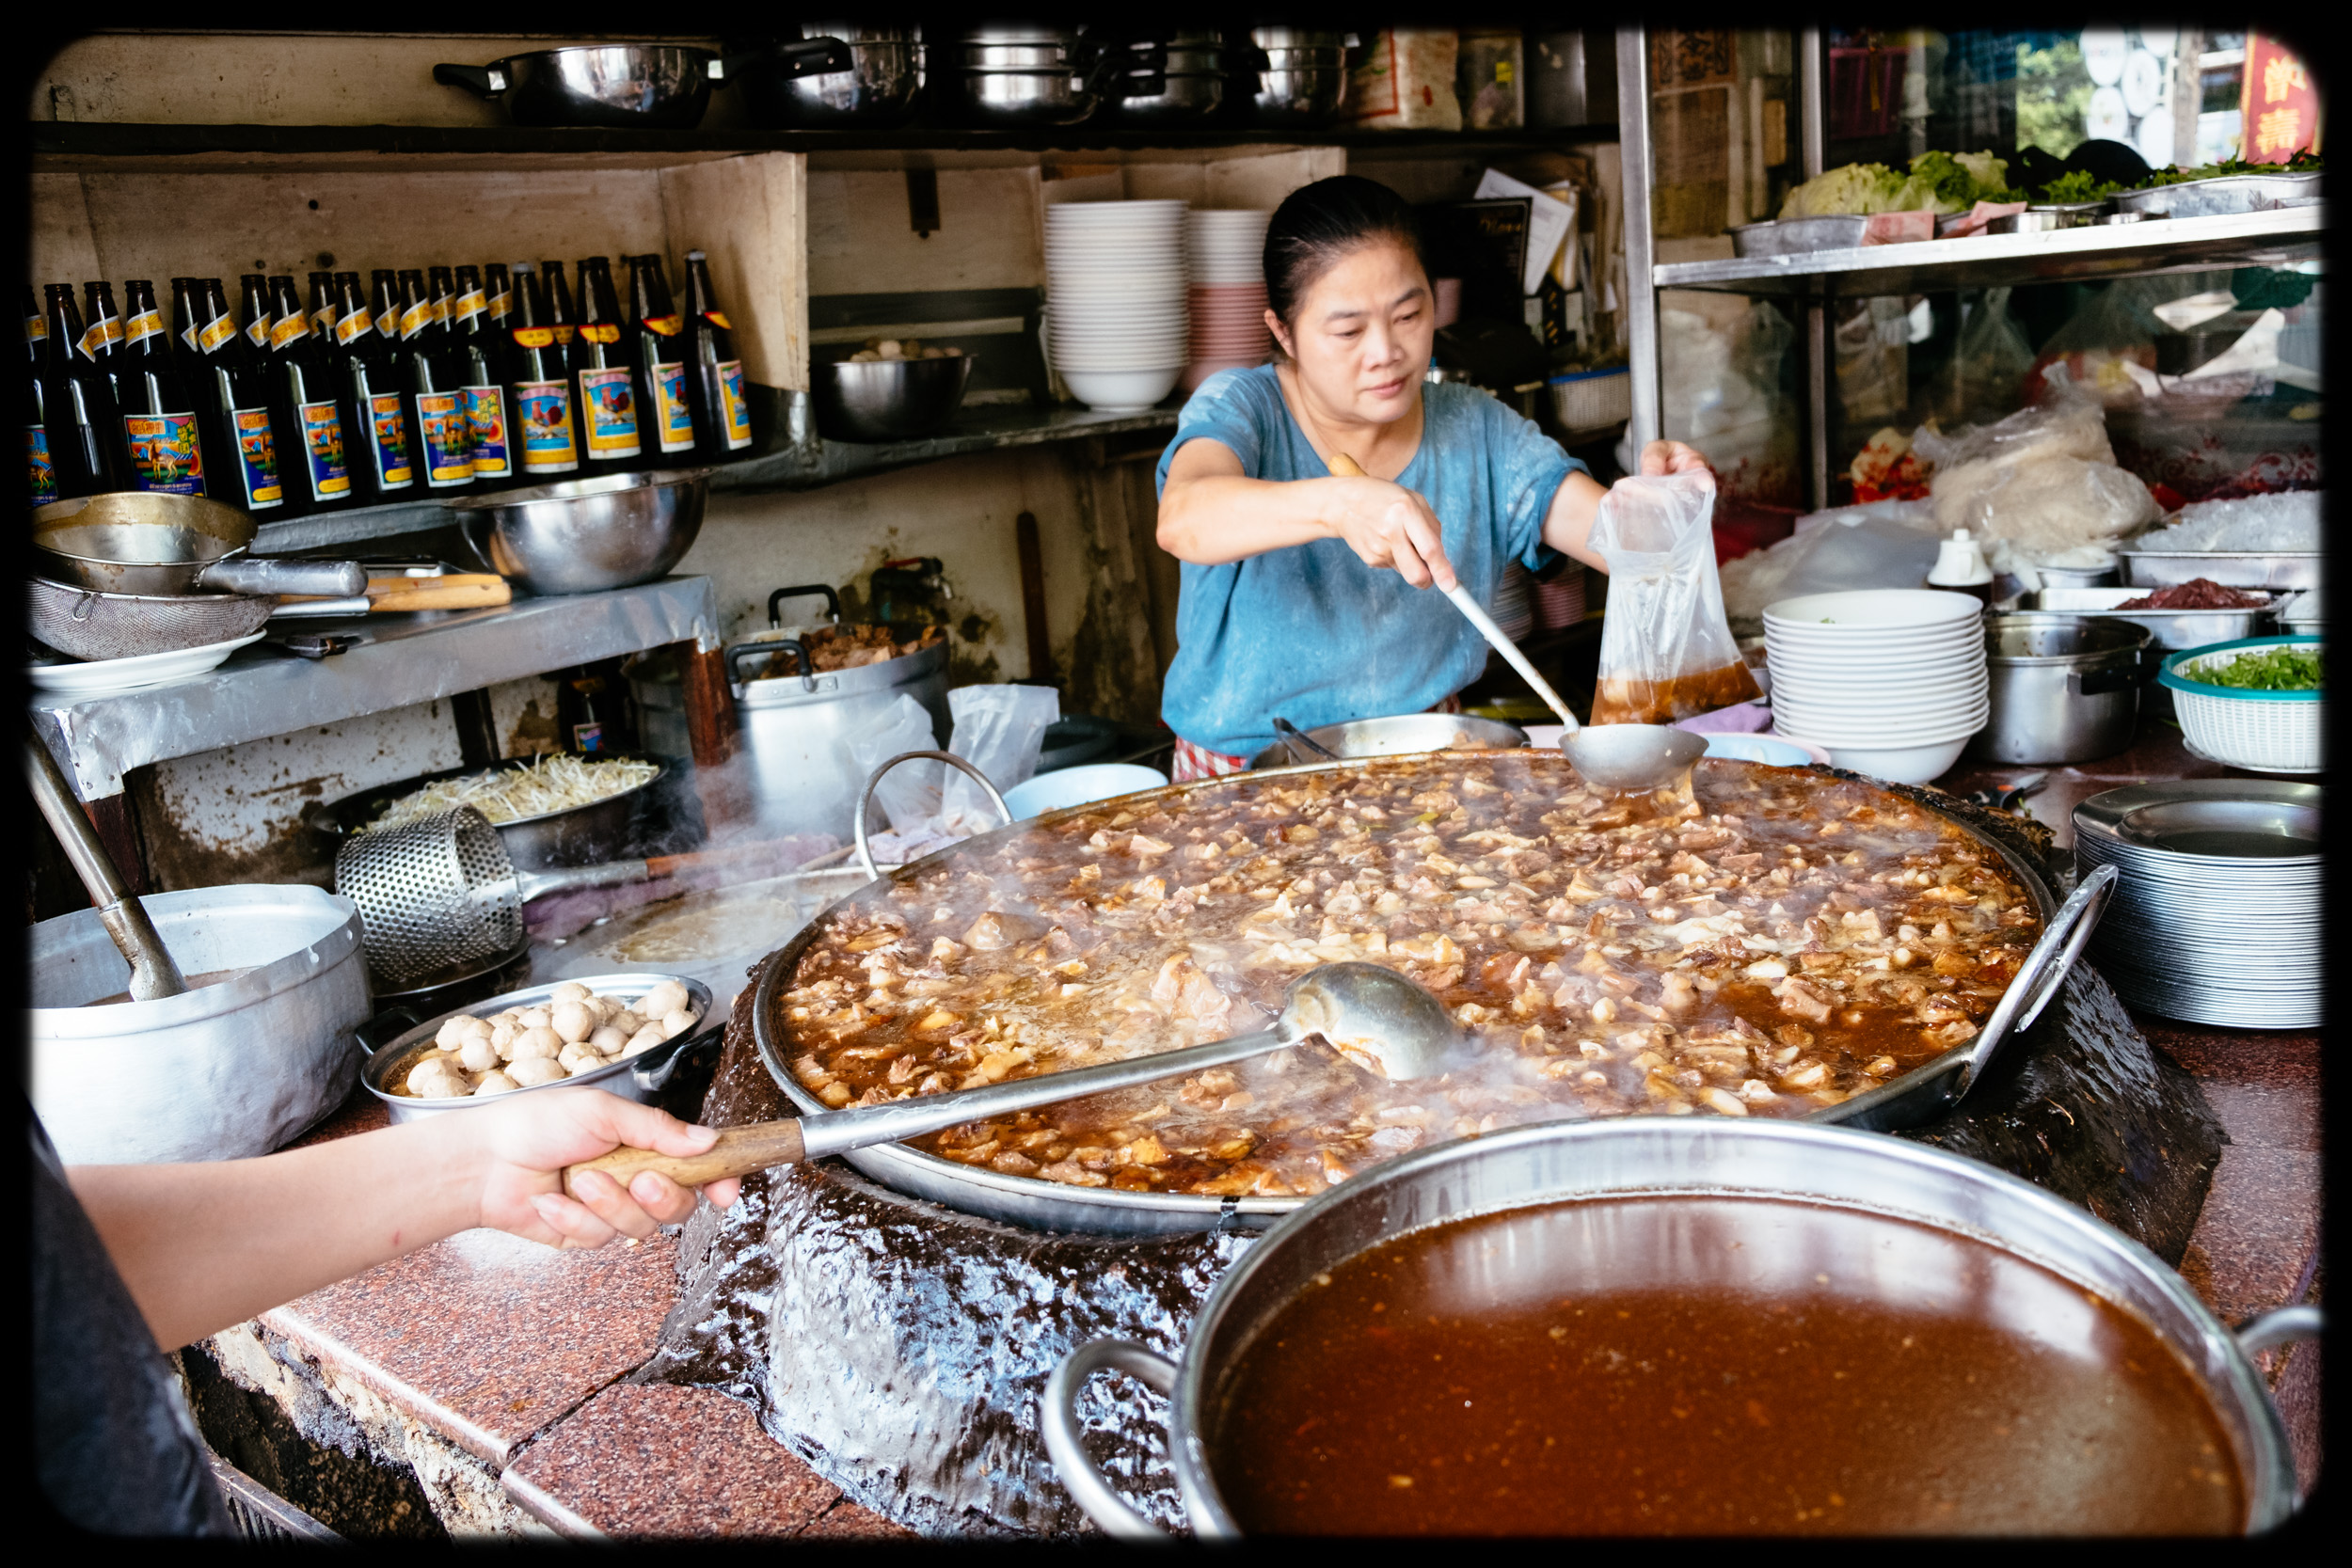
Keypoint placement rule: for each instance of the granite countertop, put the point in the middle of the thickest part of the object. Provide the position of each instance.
(503, 1368)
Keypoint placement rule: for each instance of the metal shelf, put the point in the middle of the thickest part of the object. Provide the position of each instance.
(1994, 261)
(264, 691)
(973, 430)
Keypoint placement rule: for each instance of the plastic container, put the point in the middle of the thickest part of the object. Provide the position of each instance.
(1593, 400)
(2273, 732)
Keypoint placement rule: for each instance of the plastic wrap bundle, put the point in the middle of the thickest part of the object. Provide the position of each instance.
(1719, 389)
(1665, 650)
(2287, 523)
(1888, 543)
(2044, 480)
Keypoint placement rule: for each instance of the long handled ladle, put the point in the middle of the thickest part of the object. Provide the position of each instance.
(153, 975)
(1615, 756)
(1374, 1017)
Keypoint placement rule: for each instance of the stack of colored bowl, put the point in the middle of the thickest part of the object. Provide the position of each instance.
(1115, 312)
(1224, 255)
(1891, 681)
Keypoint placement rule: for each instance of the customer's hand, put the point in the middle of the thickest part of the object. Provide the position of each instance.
(1389, 526)
(525, 1144)
(1671, 457)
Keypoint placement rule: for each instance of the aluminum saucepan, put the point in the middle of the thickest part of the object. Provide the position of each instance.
(396, 1039)
(152, 543)
(1398, 735)
(880, 87)
(638, 87)
(586, 535)
(591, 834)
(1922, 1094)
(1551, 1163)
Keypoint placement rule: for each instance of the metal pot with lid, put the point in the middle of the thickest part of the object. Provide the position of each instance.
(796, 721)
(880, 87)
(2064, 688)
(1173, 80)
(1295, 76)
(1027, 74)
(638, 87)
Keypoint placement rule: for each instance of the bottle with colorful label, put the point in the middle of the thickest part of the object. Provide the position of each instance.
(716, 364)
(432, 375)
(257, 312)
(183, 322)
(383, 463)
(561, 315)
(672, 396)
(101, 335)
(160, 425)
(540, 393)
(482, 355)
(499, 289)
(81, 423)
(604, 367)
(36, 324)
(323, 306)
(234, 399)
(309, 403)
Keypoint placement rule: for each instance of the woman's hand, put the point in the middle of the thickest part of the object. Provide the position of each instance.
(1386, 526)
(1671, 457)
(525, 1144)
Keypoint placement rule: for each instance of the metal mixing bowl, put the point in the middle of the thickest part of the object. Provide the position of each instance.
(1398, 735)
(889, 399)
(586, 535)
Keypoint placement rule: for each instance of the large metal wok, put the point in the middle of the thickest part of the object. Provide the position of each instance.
(156, 543)
(1920, 1095)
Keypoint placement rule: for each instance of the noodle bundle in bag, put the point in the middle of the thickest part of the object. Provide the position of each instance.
(1666, 651)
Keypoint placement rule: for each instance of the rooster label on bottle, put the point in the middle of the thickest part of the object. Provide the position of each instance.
(673, 421)
(163, 453)
(257, 457)
(545, 408)
(41, 473)
(448, 439)
(395, 467)
(736, 413)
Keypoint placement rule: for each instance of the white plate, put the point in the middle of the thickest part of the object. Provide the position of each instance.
(1875, 608)
(89, 677)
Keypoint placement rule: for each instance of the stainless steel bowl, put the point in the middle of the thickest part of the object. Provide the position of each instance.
(1399, 736)
(625, 86)
(1551, 1163)
(880, 89)
(639, 1077)
(888, 400)
(1302, 78)
(586, 535)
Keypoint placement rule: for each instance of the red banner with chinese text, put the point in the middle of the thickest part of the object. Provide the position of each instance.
(2281, 105)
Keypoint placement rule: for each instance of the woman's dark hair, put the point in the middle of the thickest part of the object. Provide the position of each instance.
(1317, 225)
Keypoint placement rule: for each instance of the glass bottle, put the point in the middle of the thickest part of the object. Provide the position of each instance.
(160, 427)
(383, 294)
(716, 365)
(323, 306)
(383, 457)
(668, 390)
(308, 402)
(234, 399)
(35, 325)
(101, 335)
(540, 390)
(257, 312)
(499, 289)
(82, 428)
(603, 366)
(443, 293)
(429, 374)
(184, 311)
(561, 315)
(481, 356)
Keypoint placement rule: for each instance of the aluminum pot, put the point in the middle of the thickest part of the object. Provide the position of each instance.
(641, 1078)
(2173, 630)
(1550, 1163)
(591, 834)
(586, 535)
(625, 86)
(1397, 735)
(1178, 82)
(1021, 75)
(797, 727)
(880, 87)
(2064, 688)
(1300, 75)
(218, 1073)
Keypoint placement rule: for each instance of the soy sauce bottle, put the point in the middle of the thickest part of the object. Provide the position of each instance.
(431, 378)
(160, 427)
(540, 392)
(499, 289)
(309, 405)
(482, 357)
(102, 336)
(716, 365)
(383, 460)
(257, 311)
(384, 296)
(233, 398)
(183, 312)
(604, 371)
(35, 326)
(323, 306)
(561, 315)
(80, 422)
(668, 391)
(443, 294)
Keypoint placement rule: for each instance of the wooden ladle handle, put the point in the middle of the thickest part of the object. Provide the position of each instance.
(740, 1151)
(1344, 466)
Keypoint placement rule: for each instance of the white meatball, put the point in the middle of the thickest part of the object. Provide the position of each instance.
(675, 1022)
(507, 1017)
(607, 1040)
(502, 1038)
(627, 1020)
(577, 1059)
(432, 1065)
(570, 991)
(495, 1082)
(537, 1042)
(530, 1071)
(572, 1019)
(452, 1030)
(888, 348)
(533, 1017)
(477, 1053)
(664, 998)
(644, 1039)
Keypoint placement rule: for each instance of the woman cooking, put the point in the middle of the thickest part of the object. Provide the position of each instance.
(1303, 592)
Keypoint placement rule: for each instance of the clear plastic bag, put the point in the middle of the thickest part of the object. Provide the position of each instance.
(999, 730)
(1667, 651)
(2044, 479)
(909, 793)
(1989, 364)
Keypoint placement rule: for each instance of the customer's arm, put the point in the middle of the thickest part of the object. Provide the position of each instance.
(203, 1247)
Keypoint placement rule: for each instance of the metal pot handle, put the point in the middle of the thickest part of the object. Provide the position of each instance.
(2044, 970)
(2120, 678)
(833, 602)
(769, 650)
(865, 856)
(1087, 1484)
(654, 1068)
(2283, 1326)
(383, 1027)
(482, 81)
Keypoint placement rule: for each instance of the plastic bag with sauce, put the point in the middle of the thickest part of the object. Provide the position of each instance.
(1667, 651)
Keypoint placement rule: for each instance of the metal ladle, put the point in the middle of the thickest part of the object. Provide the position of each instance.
(1374, 1017)
(1618, 757)
(153, 975)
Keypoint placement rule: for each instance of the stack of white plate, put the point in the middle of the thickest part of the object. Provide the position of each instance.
(1891, 681)
(1115, 321)
(1224, 254)
(2217, 915)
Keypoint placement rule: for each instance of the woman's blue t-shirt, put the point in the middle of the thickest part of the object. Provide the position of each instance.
(1310, 632)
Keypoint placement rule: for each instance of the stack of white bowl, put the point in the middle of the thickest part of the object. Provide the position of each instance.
(1890, 681)
(1225, 254)
(1115, 321)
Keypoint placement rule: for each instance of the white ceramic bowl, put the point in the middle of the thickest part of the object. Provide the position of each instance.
(1078, 786)
(1941, 700)
(1874, 608)
(1129, 391)
(1911, 764)
(1880, 736)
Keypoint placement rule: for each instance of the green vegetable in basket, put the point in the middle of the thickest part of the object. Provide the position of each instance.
(2286, 667)
(2077, 185)
(2305, 162)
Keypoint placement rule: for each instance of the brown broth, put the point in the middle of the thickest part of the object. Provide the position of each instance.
(1712, 1366)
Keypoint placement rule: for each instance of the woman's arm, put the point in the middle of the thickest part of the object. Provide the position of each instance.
(1211, 513)
(203, 1247)
(1577, 503)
